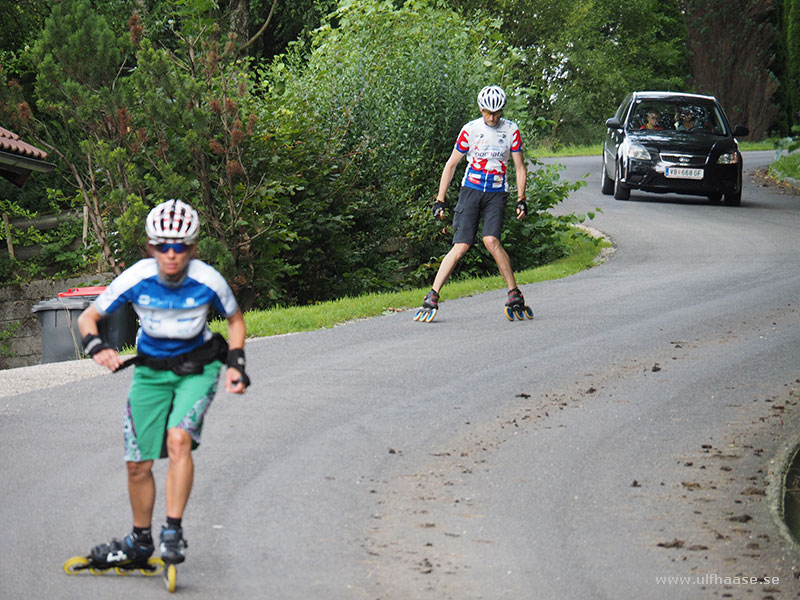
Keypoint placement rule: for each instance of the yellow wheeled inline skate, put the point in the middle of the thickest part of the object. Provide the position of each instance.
(76, 564)
(172, 548)
(123, 557)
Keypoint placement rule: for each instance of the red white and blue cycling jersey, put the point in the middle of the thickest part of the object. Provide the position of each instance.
(488, 150)
(172, 316)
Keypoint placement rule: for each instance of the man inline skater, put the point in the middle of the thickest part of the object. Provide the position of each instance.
(176, 373)
(487, 143)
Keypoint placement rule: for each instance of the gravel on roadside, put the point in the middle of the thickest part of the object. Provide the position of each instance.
(39, 377)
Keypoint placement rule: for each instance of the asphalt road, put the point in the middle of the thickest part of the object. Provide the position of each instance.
(635, 430)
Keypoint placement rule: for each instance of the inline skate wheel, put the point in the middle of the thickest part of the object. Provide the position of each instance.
(99, 570)
(170, 577)
(155, 566)
(76, 564)
(425, 315)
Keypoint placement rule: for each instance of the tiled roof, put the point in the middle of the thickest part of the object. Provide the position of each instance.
(10, 142)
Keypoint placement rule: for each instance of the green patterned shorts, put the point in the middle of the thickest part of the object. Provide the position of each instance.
(162, 400)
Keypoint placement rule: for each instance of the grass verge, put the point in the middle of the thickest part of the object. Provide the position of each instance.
(293, 319)
(546, 151)
(787, 166)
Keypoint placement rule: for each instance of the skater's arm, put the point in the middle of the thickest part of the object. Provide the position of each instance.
(522, 179)
(236, 335)
(447, 176)
(87, 325)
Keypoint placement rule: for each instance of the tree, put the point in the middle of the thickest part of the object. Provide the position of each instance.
(292, 21)
(180, 124)
(193, 134)
(239, 16)
(20, 22)
(731, 45)
(578, 58)
(79, 63)
(606, 50)
(387, 90)
(791, 32)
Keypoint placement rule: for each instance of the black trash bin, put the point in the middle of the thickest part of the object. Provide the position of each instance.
(61, 339)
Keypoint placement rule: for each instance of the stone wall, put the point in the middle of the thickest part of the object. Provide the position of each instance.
(20, 330)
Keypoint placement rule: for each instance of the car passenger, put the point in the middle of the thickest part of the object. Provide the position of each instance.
(686, 121)
(652, 122)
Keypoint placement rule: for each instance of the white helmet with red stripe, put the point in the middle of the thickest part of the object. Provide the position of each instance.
(171, 222)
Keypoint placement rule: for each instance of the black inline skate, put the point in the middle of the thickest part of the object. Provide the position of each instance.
(120, 556)
(429, 308)
(516, 307)
(172, 547)
(127, 556)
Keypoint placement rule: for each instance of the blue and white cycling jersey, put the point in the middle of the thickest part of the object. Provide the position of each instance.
(488, 150)
(172, 316)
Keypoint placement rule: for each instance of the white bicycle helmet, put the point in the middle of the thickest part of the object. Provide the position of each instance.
(172, 221)
(491, 98)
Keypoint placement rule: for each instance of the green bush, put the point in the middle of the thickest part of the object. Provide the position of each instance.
(381, 93)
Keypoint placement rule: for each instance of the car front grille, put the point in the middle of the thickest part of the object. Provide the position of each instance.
(683, 160)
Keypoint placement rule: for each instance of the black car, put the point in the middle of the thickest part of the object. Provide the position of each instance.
(669, 142)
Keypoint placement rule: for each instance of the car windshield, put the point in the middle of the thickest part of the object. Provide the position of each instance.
(682, 116)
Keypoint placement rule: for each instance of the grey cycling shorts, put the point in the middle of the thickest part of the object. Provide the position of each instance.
(472, 205)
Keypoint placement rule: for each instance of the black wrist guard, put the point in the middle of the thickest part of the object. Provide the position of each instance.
(522, 206)
(92, 344)
(438, 209)
(237, 361)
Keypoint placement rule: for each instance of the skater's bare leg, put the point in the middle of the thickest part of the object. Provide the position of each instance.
(449, 263)
(501, 258)
(142, 492)
(180, 473)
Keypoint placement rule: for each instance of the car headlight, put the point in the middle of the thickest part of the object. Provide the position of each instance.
(637, 152)
(729, 158)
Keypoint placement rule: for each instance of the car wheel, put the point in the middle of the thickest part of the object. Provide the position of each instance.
(621, 191)
(715, 197)
(607, 184)
(733, 199)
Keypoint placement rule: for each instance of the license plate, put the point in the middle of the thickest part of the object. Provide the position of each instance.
(683, 173)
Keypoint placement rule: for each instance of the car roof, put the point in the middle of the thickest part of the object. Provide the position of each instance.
(654, 95)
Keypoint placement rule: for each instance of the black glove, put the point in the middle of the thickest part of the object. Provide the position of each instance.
(92, 344)
(438, 209)
(237, 361)
(522, 207)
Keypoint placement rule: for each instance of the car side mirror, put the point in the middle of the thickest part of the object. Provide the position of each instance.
(740, 130)
(613, 123)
